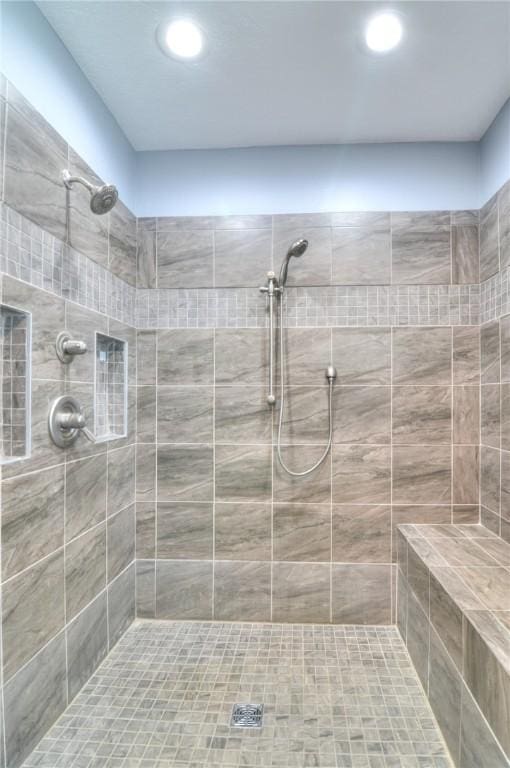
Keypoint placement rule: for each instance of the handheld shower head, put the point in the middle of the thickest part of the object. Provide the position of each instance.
(102, 198)
(296, 249)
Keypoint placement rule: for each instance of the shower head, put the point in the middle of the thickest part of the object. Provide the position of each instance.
(296, 249)
(102, 198)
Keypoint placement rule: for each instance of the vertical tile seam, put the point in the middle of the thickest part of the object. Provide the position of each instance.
(392, 537)
(64, 458)
(452, 451)
(272, 432)
(213, 576)
(3, 721)
(500, 385)
(108, 449)
(332, 362)
(156, 474)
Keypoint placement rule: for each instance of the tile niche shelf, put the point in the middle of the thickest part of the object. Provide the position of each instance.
(110, 388)
(15, 342)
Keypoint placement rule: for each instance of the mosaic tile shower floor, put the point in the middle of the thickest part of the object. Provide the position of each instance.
(333, 696)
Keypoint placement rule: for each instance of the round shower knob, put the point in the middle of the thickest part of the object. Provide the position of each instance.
(66, 421)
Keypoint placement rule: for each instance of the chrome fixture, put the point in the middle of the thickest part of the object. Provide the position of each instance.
(275, 288)
(67, 347)
(66, 421)
(102, 198)
(271, 289)
(247, 716)
(296, 249)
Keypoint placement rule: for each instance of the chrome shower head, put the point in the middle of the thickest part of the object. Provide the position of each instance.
(296, 249)
(102, 198)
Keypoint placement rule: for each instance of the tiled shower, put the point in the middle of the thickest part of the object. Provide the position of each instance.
(180, 511)
(243, 539)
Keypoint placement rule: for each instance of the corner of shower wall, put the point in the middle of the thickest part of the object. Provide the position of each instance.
(495, 362)
(68, 516)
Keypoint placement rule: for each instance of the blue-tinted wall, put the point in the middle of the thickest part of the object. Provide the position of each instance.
(495, 154)
(309, 178)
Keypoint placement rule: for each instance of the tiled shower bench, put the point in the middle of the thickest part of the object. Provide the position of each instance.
(454, 616)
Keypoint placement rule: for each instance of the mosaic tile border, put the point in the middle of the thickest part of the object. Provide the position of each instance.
(310, 307)
(29, 253)
(495, 296)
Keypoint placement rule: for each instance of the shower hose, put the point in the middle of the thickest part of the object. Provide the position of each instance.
(282, 405)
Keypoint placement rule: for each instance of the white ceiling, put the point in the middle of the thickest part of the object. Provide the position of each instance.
(290, 73)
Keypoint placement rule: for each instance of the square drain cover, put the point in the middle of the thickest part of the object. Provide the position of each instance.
(247, 716)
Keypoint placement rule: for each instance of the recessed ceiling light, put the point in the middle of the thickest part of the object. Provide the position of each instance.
(181, 39)
(384, 32)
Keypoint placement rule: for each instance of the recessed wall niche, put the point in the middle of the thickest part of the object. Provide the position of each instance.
(110, 388)
(15, 384)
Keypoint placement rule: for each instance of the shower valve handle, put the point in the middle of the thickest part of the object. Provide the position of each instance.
(66, 420)
(75, 420)
(71, 420)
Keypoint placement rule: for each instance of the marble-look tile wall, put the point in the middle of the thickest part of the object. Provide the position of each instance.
(222, 532)
(68, 516)
(495, 364)
(29, 253)
(361, 269)
(34, 157)
(67, 530)
(420, 248)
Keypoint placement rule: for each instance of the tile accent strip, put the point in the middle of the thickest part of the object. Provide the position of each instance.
(495, 296)
(360, 306)
(29, 253)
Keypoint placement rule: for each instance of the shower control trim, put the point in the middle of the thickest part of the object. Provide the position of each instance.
(66, 421)
(66, 347)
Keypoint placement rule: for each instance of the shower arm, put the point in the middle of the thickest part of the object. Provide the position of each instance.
(271, 289)
(70, 180)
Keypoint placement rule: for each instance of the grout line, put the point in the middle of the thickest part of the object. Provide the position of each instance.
(155, 470)
(66, 375)
(330, 458)
(3, 745)
(213, 584)
(452, 420)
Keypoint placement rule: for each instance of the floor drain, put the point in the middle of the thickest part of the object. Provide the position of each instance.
(247, 716)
